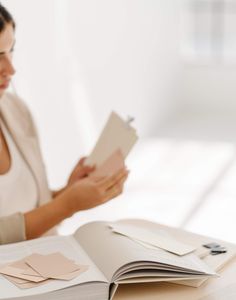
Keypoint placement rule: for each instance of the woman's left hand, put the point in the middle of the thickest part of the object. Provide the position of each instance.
(80, 171)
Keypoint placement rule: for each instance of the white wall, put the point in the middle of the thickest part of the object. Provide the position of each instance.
(77, 60)
(127, 52)
(209, 89)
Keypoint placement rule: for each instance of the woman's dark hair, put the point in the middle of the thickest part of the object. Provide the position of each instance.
(5, 18)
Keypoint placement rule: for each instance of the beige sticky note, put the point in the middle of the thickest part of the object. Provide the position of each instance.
(112, 165)
(72, 275)
(54, 264)
(26, 269)
(20, 264)
(16, 280)
(158, 239)
(29, 285)
(15, 272)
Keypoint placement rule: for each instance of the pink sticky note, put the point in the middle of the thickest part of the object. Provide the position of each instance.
(15, 272)
(72, 275)
(51, 265)
(16, 280)
(112, 165)
(29, 285)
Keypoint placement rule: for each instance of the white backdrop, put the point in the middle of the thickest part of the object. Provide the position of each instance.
(77, 60)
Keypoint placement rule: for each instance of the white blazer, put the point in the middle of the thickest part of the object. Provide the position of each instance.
(19, 122)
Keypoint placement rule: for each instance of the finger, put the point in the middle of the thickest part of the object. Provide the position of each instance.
(83, 170)
(81, 162)
(116, 190)
(102, 180)
(85, 173)
(77, 167)
(88, 169)
(120, 185)
(109, 181)
(113, 193)
(97, 179)
(122, 182)
(83, 159)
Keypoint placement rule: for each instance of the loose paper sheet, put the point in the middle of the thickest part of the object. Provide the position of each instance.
(157, 238)
(112, 165)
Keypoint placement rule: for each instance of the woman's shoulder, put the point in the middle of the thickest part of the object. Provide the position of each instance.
(15, 111)
(15, 104)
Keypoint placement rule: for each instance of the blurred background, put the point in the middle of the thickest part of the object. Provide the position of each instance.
(171, 64)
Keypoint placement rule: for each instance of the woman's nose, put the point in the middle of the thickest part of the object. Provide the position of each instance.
(12, 70)
(9, 69)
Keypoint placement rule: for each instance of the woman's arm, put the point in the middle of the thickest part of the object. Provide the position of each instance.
(12, 228)
(81, 195)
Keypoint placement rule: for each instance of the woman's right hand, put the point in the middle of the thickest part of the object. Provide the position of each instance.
(91, 191)
(83, 194)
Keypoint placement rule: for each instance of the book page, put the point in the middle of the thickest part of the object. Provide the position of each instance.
(222, 287)
(66, 245)
(216, 262)
(111, 251)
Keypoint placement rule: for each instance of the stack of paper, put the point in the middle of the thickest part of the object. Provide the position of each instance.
(38, 269)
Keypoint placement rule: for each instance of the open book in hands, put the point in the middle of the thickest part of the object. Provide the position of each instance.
(112, 147)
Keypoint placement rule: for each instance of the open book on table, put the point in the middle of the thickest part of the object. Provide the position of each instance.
(112, 259)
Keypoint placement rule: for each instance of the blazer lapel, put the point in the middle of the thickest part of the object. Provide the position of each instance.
(25, 139)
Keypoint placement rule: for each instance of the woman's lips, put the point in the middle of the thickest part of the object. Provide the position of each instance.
(4, 85)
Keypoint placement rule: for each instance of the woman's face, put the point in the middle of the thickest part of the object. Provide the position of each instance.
(7, 42)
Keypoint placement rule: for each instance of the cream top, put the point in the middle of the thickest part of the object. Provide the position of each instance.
(17, 186)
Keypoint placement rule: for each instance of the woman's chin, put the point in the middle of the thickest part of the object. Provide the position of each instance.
(2, 91)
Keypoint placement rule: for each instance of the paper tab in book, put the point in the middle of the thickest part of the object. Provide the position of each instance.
(112, 165)
(117, 134)
(157, 238)
(54, 264)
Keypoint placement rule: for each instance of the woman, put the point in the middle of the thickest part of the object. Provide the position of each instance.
(28, 208)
